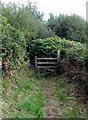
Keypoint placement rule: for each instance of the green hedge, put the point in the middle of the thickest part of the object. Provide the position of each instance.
(48, 48)
(13, 45)
(78, 52)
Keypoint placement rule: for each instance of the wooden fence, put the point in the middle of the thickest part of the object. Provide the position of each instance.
(47, 64)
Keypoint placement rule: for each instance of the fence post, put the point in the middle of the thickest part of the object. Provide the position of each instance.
(58, 58)
(36, 68)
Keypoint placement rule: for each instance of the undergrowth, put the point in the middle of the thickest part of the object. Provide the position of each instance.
(23, 95)
(69, 104)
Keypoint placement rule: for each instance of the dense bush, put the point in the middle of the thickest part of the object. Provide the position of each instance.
(48, 48)
(13, 45)
(29, 20)
(68, 27)
(78, 53)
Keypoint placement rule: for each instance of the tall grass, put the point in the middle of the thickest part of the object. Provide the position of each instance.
(22, 95)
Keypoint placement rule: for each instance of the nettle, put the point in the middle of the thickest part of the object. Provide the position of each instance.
(13, 46)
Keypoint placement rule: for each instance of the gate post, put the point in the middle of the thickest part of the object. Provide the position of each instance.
(58, 59)
(36, 68)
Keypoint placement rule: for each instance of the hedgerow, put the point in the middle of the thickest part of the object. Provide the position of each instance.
(48, 48)
(13, 46)
(78, 53)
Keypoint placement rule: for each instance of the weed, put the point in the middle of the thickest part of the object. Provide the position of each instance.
(23, 95)
(73, 113)
(68, 104)
(62, 84)
(59, 94)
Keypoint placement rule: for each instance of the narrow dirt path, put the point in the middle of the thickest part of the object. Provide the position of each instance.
(51, 107)
(73, 106)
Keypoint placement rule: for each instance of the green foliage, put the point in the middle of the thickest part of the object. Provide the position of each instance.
(60, 95)
(33, 104)
(48, 48)
(74, 112)
(69, 27)
(23, 95)
(59, 91)
(13, 45)
(26, 18)
(78, 53)
(62, 84)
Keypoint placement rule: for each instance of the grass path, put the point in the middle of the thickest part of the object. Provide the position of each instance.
(51, 107)
(63, 101)
(29, 95)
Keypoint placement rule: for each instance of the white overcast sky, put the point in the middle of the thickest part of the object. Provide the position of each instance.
(58, 6)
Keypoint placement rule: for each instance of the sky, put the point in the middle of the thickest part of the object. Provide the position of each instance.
(57, 7)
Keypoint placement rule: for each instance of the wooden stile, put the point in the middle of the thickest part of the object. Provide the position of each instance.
(58, 59)
(47, 58)
(45, 63)
(48, 64)
(36, 67)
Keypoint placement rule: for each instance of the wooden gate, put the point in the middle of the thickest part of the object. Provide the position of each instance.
(47, 64)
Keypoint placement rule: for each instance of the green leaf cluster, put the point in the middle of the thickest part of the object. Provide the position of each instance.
(48, 48)
(13, 45)
(78, 53)
(26, 18)
(71, 27)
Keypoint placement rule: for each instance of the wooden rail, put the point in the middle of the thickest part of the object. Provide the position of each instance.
(48, 64)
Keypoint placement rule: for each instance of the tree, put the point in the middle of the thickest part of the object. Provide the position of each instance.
(68, 27)
(26, 18)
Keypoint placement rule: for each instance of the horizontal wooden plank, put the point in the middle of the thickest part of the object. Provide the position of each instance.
(51, 70)
(47, 58)
(49, 63)
(46, 67)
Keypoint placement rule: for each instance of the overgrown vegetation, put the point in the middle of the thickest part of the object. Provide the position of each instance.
(13, 47)
(69, 100)
(19, 25)
(69, 27)
(48, 48)
(24, 31)
(23, 95)
(27, 19)
(24, 36)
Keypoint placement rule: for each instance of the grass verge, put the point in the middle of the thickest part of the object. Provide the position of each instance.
(69, 104)
(23, 95)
